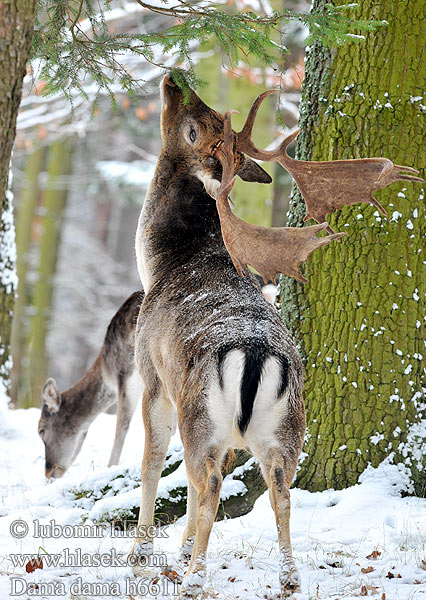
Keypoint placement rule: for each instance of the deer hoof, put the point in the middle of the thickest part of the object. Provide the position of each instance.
(192, 585)
(139, 559)
(186, 550)
(289, 583)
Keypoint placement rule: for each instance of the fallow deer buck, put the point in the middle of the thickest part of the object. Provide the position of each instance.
(113, 377)
(207, 342)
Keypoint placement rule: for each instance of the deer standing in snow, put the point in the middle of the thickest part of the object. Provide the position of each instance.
(66, 418)
(208, 344)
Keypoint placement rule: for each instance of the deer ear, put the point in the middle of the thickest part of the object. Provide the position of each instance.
(51, 396)
(251, 171)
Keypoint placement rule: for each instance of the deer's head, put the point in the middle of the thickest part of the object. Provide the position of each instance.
(62, 439)
(190, 134)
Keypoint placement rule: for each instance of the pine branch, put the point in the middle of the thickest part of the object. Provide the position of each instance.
(74, 42)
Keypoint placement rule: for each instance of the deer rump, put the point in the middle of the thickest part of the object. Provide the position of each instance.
(221, 349)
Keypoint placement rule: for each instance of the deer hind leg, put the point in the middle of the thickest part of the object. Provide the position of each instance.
(158, 419)
(278, 475)
(188, 537)
(127, 401)
(206, 477)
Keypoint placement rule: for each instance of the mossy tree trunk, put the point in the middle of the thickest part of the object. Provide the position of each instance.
(24, 233)
(360, 320)
(16, 31)
(54, 202)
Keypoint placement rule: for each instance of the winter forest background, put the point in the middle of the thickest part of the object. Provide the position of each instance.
(79, 172)
(94, 171)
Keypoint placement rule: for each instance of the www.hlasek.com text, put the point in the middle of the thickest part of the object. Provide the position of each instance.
(77, 558)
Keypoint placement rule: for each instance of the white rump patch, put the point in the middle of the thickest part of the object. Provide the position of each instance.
(224, 404)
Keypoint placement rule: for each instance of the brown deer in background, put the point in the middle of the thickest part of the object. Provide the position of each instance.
(113, 378)
(208, 344)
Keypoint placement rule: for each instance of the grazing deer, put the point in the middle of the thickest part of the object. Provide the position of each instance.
(207, 342)
(66, 418)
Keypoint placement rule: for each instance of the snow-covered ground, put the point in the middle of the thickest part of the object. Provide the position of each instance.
(362, 541)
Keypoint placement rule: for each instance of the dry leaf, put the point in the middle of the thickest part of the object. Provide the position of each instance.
(375, 554)
(33, 564)
(423, 564)
(383, 596)
(390, 575)
(363, 591)
(172, 575)
(367, 570)
(231, 579)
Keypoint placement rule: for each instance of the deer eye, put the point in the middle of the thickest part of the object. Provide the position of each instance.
(41, 432)
(192, 135)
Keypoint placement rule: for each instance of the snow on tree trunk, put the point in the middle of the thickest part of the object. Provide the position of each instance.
(8, 284)
(360, 320)
(16, 30)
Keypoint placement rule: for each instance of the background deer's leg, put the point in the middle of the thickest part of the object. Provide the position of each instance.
(278, 474)
(191, 523)
(204, 472)
(158, 419)
(126, 407)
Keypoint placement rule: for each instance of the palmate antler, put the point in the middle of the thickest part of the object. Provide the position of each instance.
(268, 250)
(327, 186)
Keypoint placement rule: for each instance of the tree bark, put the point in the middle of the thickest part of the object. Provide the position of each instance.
(55, 197)
(24, 234)
(16, 31)
(360, 321)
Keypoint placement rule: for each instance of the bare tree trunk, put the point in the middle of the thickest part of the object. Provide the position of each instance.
(16, 31)
(55, 197)
(24, 228)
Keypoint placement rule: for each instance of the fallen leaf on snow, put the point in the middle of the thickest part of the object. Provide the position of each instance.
(367, 570)
(172, 575)
(33, 564)
(375, 554)
(363, 591)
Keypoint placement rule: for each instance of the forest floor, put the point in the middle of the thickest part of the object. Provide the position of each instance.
(362, 541)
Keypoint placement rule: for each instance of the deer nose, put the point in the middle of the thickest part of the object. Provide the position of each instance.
(211, 161)
(54, 472)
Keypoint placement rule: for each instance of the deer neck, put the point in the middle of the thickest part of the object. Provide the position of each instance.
(85, 400)
(178, 220)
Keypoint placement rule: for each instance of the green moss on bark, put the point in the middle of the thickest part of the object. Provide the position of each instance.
(360, 321)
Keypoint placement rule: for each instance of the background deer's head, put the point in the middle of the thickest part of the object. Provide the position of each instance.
(190, 133)
(61, 436)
